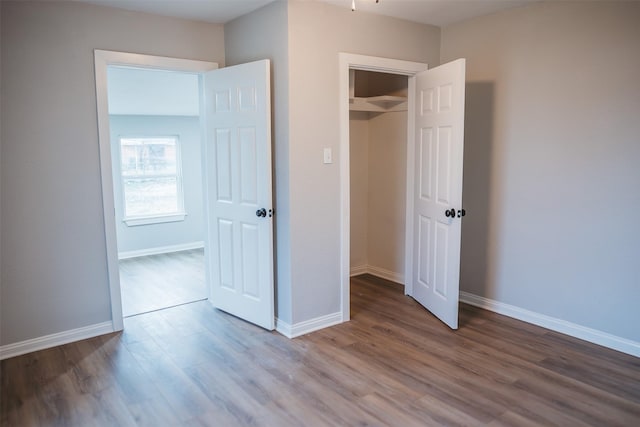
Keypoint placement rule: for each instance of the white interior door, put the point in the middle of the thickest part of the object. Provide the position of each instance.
(237, 165)
(439, 127)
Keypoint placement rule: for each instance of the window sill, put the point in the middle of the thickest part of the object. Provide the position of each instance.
(148, 220)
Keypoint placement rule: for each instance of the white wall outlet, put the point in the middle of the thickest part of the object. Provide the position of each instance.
(327, 156)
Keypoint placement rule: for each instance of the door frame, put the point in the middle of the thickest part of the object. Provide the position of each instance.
(349, 61)
(102, 60)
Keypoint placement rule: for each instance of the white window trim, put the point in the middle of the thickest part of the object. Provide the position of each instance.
(137, 220)
(154, 219)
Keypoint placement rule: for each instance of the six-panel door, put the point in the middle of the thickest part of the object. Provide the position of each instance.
(439, 132)
(238, 180)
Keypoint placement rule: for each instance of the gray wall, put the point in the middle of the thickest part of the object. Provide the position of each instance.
(191, 230)
(54, 272)
(263, 34)
(317, 33)
(552, 155)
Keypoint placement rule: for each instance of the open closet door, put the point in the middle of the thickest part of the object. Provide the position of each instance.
(238, 206)
(439, 139)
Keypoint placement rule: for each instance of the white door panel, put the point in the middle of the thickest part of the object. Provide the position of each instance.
(238, 181)
(439, 131)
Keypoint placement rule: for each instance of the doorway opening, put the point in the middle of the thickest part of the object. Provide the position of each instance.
(156, 147)
(144, 141)
(399, 76)
(378, 161)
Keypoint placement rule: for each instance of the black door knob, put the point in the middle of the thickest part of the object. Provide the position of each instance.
(261, 213)
(450, 213)
(461, 213)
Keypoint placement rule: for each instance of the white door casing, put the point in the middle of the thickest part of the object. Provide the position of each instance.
(103, 59)
(437, 189)
(237, 165)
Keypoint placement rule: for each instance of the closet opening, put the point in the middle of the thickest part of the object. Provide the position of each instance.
(378, 124)
(429, 182)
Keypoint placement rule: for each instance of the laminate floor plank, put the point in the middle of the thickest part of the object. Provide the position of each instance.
(393, 364)
(570, 398)
(159, 281)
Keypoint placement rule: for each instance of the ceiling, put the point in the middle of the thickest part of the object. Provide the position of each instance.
(215, 11)
(434, 12)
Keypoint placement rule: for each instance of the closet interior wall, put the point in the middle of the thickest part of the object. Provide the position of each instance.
(378, 142)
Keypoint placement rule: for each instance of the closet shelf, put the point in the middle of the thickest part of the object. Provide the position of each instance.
(381, 104)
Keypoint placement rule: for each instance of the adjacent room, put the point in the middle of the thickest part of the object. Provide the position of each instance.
(155, 138)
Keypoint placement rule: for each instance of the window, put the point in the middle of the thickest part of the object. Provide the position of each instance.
(151, 180)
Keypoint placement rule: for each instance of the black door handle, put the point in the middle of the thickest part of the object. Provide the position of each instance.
(461, 213)
(450, 213)
(261, 213)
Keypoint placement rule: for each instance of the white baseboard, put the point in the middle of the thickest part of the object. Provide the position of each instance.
(386, 274)
(298, 329)
(283, 327)
(558, 325)
(358, 270)
(53, 340)
(378, 272)
(160, 250)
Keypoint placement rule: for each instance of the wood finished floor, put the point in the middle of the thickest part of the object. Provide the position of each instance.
(392, 365)
(159, 281)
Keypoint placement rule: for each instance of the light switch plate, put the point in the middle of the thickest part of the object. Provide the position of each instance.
(327, 156)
